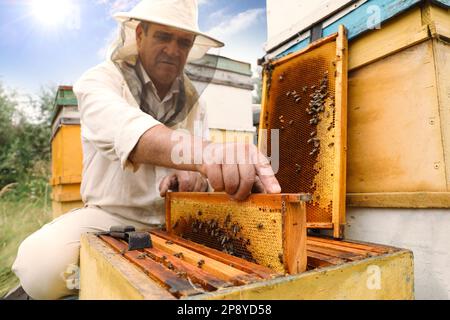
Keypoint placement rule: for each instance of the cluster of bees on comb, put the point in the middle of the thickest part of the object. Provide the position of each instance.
(225, 237)
(316, 107)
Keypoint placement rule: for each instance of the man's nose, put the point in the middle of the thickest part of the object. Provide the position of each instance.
(172, 49)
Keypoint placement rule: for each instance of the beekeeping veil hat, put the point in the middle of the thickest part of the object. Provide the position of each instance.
(179, 14)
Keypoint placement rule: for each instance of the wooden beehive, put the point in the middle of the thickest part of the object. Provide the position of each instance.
(305, 99)
(398, 134)
(336, 270)
(66, 153)
(186, 269)
(266, 229)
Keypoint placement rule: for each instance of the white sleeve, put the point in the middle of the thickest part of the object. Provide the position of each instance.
(108, 121)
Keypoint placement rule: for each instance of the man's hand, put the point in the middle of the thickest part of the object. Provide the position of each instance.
(183, 181)
(236, 173)
(238, 169)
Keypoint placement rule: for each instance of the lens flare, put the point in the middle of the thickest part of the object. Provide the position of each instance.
(51, 13)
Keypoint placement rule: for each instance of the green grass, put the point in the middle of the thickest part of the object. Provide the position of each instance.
(18, 219)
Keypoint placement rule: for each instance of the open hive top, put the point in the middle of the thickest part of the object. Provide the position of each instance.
(188, 270)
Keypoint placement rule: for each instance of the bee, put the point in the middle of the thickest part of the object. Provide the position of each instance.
(179, 255)
(260, 226)
(227, 219)
(280, 257)
(141, 256)
(314, 121)
(200, 263)
(169, 242)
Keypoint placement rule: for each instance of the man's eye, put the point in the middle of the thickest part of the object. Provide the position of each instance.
(185, 43)
(163, 37)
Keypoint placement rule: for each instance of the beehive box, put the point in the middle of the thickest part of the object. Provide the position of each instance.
(305, 101)
(398, 134)
(336, 270)
(66, 153)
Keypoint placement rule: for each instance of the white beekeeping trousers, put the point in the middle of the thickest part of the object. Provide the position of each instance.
(47, 261)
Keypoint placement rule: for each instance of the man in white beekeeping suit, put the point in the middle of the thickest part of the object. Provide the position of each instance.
(130, 107)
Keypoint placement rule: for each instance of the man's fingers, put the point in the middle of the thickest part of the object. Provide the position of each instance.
(247, 179)
(230, 178)
(168, 183)
(200, 183)
(258, 187)
(186, 181)
(215, 177)
(266, 175)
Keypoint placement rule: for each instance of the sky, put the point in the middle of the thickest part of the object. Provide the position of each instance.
(52, 42)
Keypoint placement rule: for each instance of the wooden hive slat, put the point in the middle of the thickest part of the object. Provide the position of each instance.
(175, 285)
(240, 264)
(197, 275)
(218, 269)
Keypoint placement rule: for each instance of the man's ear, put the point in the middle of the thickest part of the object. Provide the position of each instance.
(139, 35)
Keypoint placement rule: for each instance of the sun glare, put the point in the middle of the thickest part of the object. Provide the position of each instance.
(51, 12)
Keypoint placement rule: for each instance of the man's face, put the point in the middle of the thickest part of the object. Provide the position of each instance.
(163, 52)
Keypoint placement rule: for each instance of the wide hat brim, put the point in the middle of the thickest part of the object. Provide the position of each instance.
(202, 39)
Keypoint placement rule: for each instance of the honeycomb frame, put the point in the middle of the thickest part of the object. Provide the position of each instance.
(305, 98)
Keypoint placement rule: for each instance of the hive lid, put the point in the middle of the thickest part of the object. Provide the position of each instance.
(65, 97)
(305, 98)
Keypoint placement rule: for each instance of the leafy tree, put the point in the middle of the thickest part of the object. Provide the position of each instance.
(25, 142)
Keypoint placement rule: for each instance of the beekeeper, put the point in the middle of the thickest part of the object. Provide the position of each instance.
(131, 106)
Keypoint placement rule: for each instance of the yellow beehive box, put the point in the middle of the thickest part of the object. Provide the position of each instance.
(336, 270)
(66, 153)
(398, 115)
